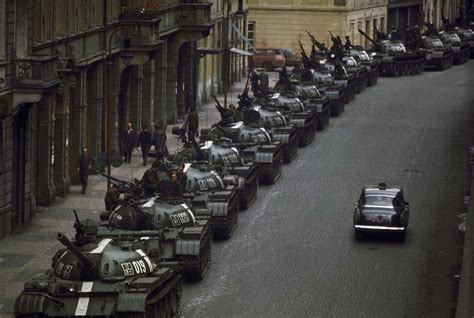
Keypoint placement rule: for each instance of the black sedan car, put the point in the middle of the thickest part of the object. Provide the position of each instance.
(381, 209)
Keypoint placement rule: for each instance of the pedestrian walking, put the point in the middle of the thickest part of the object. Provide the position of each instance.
(129, 142)
(159, 141)
(84, 164)
(144, 141)
(189, 100)
(193, 123)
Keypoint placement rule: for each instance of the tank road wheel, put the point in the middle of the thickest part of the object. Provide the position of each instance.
(249, 194)
(395, 70)
(196, 271)
(268, 66)
(158, 309)
(176, 300)
(205, 259)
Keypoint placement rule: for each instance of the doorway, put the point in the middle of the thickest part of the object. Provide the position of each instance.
(20, 148)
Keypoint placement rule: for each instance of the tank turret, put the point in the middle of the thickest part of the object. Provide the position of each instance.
(393, 56)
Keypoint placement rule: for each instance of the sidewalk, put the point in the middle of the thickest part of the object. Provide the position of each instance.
(28, 252)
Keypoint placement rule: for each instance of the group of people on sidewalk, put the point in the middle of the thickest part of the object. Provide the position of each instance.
(144, 141)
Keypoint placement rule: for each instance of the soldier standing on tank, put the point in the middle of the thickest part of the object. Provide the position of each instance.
(84, 163)
(144, 141)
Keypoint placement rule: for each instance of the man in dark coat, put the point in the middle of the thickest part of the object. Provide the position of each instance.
(144, 141)
(189, 99)
(193, 123)
(129, 142)
(84, 163)
(159, 141)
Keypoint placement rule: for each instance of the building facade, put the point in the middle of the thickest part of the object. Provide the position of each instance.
(73, 71)
(279, 23)
(434, 10)
(404, 13)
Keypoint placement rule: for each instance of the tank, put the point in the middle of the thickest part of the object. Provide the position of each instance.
(464, 31)
(337, 51)
(225, 160)
(450, 38)
(329, 61)
(324, 82)
(394, 58)
(103, 278)
(438, 56)
(210, 192)
(253, 143)
(363, 59)
(170, 224)
(466, 35)
(278, 127)
(293, 97)
(278, 109)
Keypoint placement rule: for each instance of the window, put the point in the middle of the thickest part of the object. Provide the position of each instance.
(251, 32)
(2, 31)
(359, 27)
(374, 23)
(367, 31)
(352, 31)
(382, 24)
(71, 24)
(60, 18)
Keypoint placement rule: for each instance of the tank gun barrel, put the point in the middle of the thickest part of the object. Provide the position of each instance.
(83, 259)
(366, 36)
(320, 46)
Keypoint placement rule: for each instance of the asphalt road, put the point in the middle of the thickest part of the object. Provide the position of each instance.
(294, 253)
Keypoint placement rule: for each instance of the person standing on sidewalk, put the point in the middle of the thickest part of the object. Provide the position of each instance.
(84, 163)
(189, 100)
(159, 141)
(144, 141)
(129, 142)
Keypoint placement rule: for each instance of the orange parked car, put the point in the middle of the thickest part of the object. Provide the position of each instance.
(267, 58)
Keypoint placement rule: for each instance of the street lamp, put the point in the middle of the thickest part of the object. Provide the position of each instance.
(126, 56)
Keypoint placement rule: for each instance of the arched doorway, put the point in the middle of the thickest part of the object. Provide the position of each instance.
(20, 214)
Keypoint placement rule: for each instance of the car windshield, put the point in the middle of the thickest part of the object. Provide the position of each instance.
(378, 201)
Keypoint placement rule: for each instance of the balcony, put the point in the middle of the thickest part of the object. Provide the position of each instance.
(35, 72)
(143, 32)
(186, 16)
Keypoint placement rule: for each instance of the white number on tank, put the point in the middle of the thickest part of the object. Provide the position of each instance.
(206, 184)
(179, 218)
(230, 159)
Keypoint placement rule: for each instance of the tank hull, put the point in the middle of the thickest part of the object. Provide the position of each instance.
(159, 292)
(402, 65)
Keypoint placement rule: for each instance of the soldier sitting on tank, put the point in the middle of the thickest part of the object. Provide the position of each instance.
(152, 177)
(112, 198)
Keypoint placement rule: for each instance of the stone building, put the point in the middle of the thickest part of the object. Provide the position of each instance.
(280, 23)
(403, 13)
(61, 59)
(433, 10)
